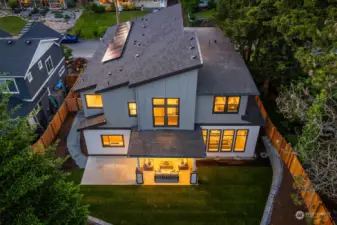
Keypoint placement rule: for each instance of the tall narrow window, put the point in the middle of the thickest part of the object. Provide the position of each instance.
(240, 141)
(93, 101)
(165, 112)
(223, 104)
(49, 65)
(204, 135)
(227, 140)
(214, 140)
(132, 109)
(112, 140)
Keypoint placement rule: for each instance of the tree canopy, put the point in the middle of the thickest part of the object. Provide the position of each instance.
(292, 45)
(33, 188)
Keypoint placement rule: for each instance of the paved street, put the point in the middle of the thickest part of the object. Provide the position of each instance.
(84, 48)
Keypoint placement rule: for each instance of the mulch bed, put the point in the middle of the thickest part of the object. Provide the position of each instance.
(61, 149)
(284, 209)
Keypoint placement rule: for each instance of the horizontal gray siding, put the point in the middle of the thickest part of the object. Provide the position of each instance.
(89, 112)
(181, 86)
(40, 76)
(115, 105)
(204, 111)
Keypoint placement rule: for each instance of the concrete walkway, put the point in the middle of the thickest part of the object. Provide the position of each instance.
(110, 170)
(73, 142)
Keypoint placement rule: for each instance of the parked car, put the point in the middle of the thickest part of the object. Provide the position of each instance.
(69, 39)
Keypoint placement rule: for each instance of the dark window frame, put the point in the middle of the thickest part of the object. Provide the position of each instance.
(86, 103)
(233, 140)
(109, 146)
(165, 106)
(207, 132)
(129, 110)
(209, 137)
(236, 135)
(226, 104)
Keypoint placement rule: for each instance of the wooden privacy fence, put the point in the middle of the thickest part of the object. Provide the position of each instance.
(71, 104)
(312, 200)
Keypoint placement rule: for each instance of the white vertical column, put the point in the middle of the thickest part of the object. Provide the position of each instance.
(194, 167)
(138, 164)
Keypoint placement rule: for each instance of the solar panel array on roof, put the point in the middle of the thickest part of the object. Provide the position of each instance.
(117, 44)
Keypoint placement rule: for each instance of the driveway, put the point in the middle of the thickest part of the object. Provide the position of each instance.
(84, 48)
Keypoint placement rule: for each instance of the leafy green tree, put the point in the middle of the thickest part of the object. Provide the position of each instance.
(33, 188)
(12, 3)
(68, 52)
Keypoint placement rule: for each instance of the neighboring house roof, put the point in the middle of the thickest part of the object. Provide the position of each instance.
(167, 143)
(18, 56)
(163, 48)
(41, 31)
(224, 72)
(4, 34)
(25, 107)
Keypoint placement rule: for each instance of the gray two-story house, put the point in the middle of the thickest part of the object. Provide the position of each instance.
(33, 69)
(158, 96)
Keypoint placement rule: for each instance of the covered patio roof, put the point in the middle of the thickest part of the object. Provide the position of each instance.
(167, 143)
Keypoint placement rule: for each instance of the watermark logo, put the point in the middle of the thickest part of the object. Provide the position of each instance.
(299, 215)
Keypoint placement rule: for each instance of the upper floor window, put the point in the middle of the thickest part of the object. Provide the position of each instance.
(93, 101)
(132, 108)
(226, 104)
(9, 86)
(49, 65)
(165, 112)
(40, 65)
(29, 77)
(112, 140)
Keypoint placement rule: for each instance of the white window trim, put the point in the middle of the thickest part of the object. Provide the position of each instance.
(42, 86)
(16, 86)
(48, 91)
(29, 77)
(45, 62)
(61, 71)
(40, 65)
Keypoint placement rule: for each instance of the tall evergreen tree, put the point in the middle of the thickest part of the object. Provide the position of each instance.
(33, 189)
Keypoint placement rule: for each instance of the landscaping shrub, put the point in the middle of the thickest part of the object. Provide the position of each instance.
(66, 17)
(211, 4)
(44, 11)
(132, 7)
(109, 8)
(58, 15)
(78, 64)
(125, 8)
(91, 6)
(12, 3)
(99, 9)
(34, 11)
(68, 52)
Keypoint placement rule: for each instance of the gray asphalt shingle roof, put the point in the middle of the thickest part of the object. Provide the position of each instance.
(17, 57)
(167, 143)
(4, 34)
(224, 72)
(41, 31)
(163, 48)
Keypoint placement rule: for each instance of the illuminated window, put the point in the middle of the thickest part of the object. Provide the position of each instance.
(224, 104)
(112, 140)
(214, 140)
(240, 141)
(227, 140)
(204, 135)
(132, 109)
(165, 112)
(93, 101)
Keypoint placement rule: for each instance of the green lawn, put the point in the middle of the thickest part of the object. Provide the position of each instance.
(12, 24)
(204, 15)
(225, 195)
(93, 25)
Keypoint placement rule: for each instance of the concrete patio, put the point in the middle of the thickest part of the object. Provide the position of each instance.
(109, 170)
